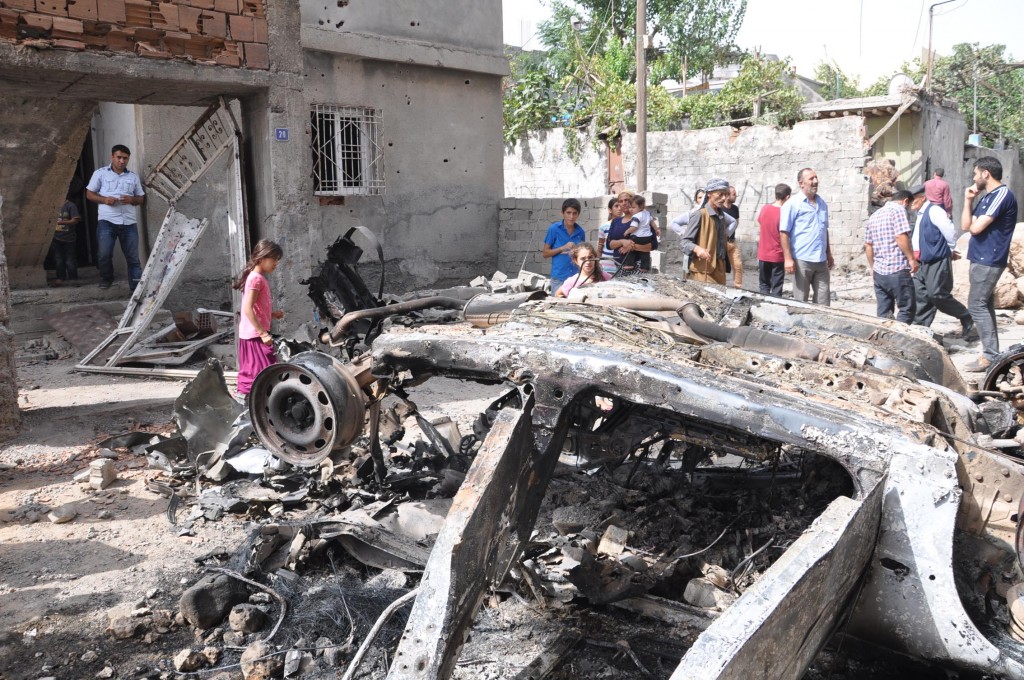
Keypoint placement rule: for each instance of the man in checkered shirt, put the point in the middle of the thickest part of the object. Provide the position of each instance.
(887, 245)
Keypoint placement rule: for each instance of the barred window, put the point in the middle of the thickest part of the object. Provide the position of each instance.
(347, 156)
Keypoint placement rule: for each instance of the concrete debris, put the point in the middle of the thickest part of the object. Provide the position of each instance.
(247, 618)
(63, 514)
(206, 603)
(188, 660)
(261, 662)
(102, 474)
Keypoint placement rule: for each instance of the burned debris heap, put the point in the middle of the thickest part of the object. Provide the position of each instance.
(673, 479)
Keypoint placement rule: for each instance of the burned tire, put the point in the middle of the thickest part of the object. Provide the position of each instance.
(1000, 365)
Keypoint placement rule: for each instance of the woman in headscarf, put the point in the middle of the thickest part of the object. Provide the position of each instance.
(705, 236)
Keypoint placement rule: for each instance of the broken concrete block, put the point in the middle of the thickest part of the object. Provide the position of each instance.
(188, 660)
(499, 277)
(478, 282)
(700, 592)
(614, 541)
(125, 627)
(102, 474)
(63, 514)
(247, 618)
(205, 604)
(254, 667)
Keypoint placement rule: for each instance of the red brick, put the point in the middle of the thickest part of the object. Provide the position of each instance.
(26, 5)
(203, 4)
(69, 44)
(188, 19)
(254, 8)
(227, 59)
(213, 24)
(70, 29)
(121, 40)
(227, 6)
(110, 11)
(40, 22)
(242, 29)
(166, 16)
(82, 9)
(256, 56)
(259, 27)
(9, 16)
(57, 8)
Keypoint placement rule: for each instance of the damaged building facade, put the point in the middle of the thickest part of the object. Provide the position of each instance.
(348, 114)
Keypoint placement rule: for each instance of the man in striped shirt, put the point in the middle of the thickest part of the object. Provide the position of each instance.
(887, 245)
(991, 224)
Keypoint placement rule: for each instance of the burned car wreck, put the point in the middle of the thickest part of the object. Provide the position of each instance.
(857, 482)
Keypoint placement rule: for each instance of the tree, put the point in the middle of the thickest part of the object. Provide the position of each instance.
(760, 93)
(837, 85)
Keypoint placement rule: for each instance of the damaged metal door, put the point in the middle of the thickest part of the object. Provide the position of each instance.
(213, 134)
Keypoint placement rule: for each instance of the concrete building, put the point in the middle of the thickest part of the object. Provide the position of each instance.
(374, 114)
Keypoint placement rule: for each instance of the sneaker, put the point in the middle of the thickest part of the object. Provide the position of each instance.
(106, 284)
(969, 332)
(979, 365)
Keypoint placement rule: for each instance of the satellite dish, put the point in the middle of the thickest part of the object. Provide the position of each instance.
(898, 83)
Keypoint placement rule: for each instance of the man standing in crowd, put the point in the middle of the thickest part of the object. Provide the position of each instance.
(991, 225)
(937, 191)
(732, 250)
(935, 244)
(706, 235)
(117, 190)
(803, 227)
(887, 246)
(771, 273)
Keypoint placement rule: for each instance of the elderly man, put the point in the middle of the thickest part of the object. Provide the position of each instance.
(991, 225)
(887, 246)
(803, 232)
(706, 235)
(935, 244)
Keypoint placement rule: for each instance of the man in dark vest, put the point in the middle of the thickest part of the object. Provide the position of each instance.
(935, 245)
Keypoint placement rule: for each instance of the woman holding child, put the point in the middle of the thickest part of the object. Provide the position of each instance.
(617, 245)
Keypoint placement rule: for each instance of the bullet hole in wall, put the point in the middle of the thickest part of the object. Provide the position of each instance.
(342, 3)
(339, 24)
(391, 143)
(414, 23)
(445, 160)
(467, 82)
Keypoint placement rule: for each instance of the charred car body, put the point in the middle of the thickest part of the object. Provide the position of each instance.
(917, 553)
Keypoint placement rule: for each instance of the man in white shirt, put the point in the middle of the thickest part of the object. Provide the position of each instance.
(117, 190)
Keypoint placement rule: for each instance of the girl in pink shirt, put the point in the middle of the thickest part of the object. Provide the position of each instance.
(585, 257)
(255, 346)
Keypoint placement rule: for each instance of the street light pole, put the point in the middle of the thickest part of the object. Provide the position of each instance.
(641, 95)
(931, 15)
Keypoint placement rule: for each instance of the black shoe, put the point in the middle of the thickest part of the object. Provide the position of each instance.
(106, 284)
(969, 332)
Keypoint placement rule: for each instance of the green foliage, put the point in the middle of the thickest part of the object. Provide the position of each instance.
(587, 77)
(833, 78)
(1000, 89)
(758, 94)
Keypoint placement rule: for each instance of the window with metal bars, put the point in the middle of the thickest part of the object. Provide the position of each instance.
(347, 155)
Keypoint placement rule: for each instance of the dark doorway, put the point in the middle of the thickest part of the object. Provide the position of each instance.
(86, 227)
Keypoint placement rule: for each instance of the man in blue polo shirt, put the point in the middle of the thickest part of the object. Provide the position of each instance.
(803, 232)
(117, 190)
(991, 224)
(562, 236)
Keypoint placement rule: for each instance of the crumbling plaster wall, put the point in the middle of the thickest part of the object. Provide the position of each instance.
(754, 160)
(10, 417)
(530, 161)
(442, 145)
(43, 139)
(945, 132)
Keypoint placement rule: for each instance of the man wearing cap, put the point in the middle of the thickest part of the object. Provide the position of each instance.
(706, 235)
(887, 246)
(803, 232)
(935, 244)
(991, 225)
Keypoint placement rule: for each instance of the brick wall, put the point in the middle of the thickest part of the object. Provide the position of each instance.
(224, 32)
(523, 222)
(754, 160)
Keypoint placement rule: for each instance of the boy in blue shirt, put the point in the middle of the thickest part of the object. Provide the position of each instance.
(559, 242)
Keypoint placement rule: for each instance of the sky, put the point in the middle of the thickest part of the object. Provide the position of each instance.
(866, 38)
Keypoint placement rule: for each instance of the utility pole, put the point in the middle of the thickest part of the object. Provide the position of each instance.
(641, 95)
(931, 15)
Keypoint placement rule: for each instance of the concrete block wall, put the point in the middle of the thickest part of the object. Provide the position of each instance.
(753, 159)
(539, 166)
(10, 417)
(523, 222)
(221, 32)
